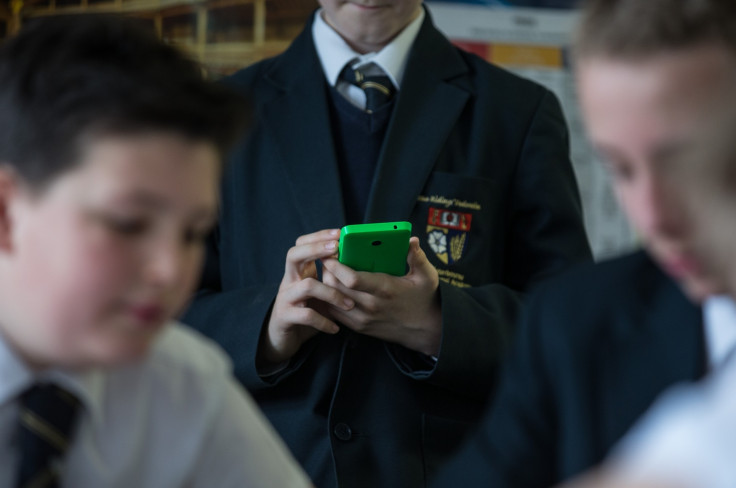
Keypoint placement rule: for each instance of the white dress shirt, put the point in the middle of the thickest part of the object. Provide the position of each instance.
(177, 418)
(334, 53)
(719, 317)
(688, 438)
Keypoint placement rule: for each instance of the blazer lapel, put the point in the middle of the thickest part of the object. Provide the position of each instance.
(298, 118)
(431, 99)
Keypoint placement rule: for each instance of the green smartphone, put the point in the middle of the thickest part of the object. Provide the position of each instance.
(380, 248)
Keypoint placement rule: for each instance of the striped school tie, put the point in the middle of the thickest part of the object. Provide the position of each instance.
(47, 419)
(378, 89)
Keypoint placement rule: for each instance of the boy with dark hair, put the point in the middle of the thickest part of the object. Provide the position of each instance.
(110, 146)
(597, 346)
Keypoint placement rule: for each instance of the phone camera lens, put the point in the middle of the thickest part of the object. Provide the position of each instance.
(376, 243)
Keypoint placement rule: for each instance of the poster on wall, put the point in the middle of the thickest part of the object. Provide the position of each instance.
(534, 41)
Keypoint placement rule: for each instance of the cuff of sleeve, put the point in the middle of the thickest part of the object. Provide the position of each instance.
(269, 370)
(411, 363)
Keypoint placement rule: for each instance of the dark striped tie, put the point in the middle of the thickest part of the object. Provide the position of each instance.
(47, 419)
(378, 89)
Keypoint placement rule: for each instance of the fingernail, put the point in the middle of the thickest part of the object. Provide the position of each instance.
(334, 232)
(330, 245)
(348, 303)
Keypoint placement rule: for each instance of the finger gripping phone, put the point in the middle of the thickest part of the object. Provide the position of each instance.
(379, 248)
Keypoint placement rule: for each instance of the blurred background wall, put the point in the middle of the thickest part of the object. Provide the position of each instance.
(529, 37)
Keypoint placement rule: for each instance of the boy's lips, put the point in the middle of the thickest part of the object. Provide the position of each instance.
(682, 265)
(367, 7)
(149, 313)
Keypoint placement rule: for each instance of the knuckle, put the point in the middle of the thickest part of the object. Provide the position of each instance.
(308, 282)
(306, 315)
(351, 281)
(371, 306)
(290, 254)
(385, 291)
(336, 296)
(360, 326)
(306, 285)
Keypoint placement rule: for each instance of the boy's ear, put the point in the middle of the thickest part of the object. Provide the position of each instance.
(8, 189)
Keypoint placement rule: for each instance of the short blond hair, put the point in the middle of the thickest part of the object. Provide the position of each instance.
(640, 28)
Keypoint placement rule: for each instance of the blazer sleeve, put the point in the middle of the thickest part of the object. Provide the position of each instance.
(545, 235)
(514, 445)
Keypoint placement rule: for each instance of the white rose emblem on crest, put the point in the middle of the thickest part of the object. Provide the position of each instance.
(438, 241)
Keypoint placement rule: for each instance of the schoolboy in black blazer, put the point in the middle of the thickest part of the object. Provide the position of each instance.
(473, 156)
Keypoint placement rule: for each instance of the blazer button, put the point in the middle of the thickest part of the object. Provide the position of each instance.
(343, 432)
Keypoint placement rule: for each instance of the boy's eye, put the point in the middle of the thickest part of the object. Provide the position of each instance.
(620, 171)
(196, 236)
(125, 226)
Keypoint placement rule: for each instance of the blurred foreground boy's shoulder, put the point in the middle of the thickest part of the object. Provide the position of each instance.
(597, 348)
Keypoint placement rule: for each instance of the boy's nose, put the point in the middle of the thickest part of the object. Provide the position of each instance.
(165, 264)
(660, 210)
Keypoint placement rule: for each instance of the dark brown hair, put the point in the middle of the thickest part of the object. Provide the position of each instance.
(64, 78)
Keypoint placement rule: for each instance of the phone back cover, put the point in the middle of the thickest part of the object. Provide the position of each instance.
(380, 248)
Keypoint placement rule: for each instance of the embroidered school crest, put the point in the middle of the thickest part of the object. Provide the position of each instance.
(447, 233)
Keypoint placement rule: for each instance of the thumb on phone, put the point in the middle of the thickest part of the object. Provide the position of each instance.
(416, 258)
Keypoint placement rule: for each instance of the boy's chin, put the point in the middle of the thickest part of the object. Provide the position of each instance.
(114, 353)
(698, 289)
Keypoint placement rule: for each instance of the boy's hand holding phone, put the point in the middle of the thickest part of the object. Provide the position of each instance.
(296, 315)
(401, 309)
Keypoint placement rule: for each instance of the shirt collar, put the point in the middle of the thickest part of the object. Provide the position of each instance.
(16, 377)
(719, 315)
(334, 53)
